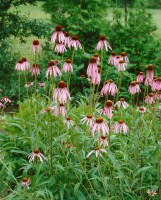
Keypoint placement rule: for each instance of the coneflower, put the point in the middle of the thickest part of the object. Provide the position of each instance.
(58, 35)
(36, 47)
(100, 127)
(97, 151)
(52, 70)
(121, 103)
(112, 59)
(121, 127)
(124, 57)
(103, 43)
(35, 70)
(75, 43)
(34, 154)
(67, 66)
(140, 77)
(92, 67)
(61, 93)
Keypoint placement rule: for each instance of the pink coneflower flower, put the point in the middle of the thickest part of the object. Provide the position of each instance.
(150, 71)
(52, 70)
(105, 88)
(69, 123)
(121, 103)
(118, 58)
(112, 59)
(47, 110)
(124, 57)
(67, 67)
(42, 85)
(108, 109)
(140, 77)
(148, 81)
(26, 64)
(26, 182)
(36, 47)
(60, 110)
(121, 127)
(96, 55)
(134, 88)
(100, 126)
(141, 109)
(6, 99)
(92, 67)
(88, 120)
(67, 39)
(97, 151)
(150, 99)
(58, 35)
(34, 154)
(96, 78)
(103, 43)
(151, 192)
(156, 85)
(35, 70)
(1, 105)
(61, 93)
(19, 65)
(75, 43)
(121, 66)
(28, 84)
(103, 141)
(112, 89)
(60, 48)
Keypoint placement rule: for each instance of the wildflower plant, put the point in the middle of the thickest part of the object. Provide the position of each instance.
(74, 152)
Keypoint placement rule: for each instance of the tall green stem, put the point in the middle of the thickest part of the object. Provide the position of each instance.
(119, 86)
(51, 144)
(19, 86)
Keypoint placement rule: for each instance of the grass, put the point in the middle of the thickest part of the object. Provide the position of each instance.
(156, 13)
(33, 11)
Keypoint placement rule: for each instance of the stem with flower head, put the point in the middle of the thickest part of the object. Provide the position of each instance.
(19, 86)
(61, 64)
(69, 76)
(90, 97)
(109, 136)
(51, 145)
(36, 126)
(26, 83)
(119, 86)
(35, 74)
